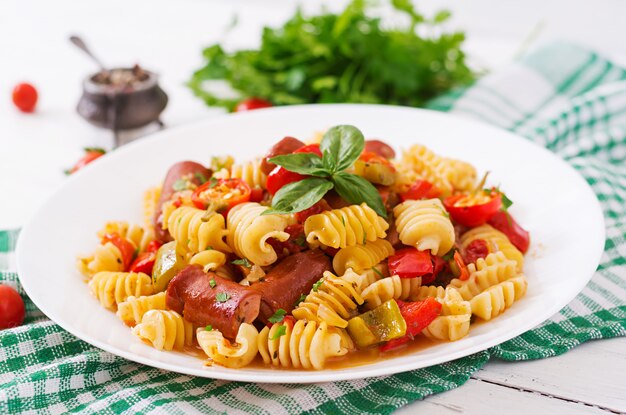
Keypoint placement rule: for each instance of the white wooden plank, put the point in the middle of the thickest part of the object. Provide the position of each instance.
(478, 397)
(594, 373)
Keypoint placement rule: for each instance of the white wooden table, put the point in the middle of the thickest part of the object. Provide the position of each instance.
(167, 36)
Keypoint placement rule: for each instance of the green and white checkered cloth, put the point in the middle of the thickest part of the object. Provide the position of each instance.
(566, 98)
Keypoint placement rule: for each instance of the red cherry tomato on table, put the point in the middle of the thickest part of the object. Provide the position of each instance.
(252, 104)
(417, 315)
(25, 97)
(223, 193)
(280, 176)
(421, 189)
(504, 222)
(126, 248)
(473, 210)
(11, 308)
(91, 153)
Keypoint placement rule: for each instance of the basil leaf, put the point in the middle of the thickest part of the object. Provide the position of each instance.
(341, 146)
(357, 190)
(297, 196)
(278, 316)
(303, 163)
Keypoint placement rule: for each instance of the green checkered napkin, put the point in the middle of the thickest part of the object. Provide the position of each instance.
(563, 97)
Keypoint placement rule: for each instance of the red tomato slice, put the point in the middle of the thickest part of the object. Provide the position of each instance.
(143, 263)
(126, 248)
(464, 211)
(421, 189)
(223, 193)
(410, 263)
(417, 315)
(12, 309)
(504, 222)
(153, 246)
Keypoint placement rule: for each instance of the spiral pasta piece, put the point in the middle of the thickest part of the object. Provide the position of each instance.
(249, 231)
(348, 226)
(306, 345)
(113, 288)
(389, 288)
(106, 257)
(496, 241)
(435, 291)
(250, 172)
(225, 353)
(150, 201)
(370, 276)
(362, 257)
(132, 310)
(460, 174)
(132, 233)
(498, 298)
(195, 230)
(425, 225)
(454, 321)
(211, 259)
(487, 272)
(165, 330)
(334, 301)
(418, 161)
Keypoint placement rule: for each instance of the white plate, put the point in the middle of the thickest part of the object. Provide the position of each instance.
(551, 200)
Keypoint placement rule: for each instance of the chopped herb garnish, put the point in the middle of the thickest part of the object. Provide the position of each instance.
(506, 202)
(299, 300)
(278, 316)
(244, 262)
(209, 248)
(449, 255)
(212, 182)
(376, 270)
(201, 177)
(180, 185)
(280, 331)
(343, 221)
(222, 297)
(209, 328)
(300, 240)
(317, 285)
(212, 283)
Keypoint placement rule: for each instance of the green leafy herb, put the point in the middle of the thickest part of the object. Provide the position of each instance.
(357, 190)
(201, 178)
(341, 146)
(94, 150)
(300, 241)
(243, 261)
(209, 328)
(299, 300)
(212, 182)
(351, 56)
(297, 196)
(212, 283)
(222, 297)
(278, 316)
(449, 255)
(180, 185)
(303, 163)
(317, 285)
(376, 270)
(280, 331)
(506, 202)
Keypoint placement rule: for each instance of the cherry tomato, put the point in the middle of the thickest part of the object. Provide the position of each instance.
(153, 246)
(11, 308)
(126, 248)
(476, 249)
(25, 97)
(224, 193)
(421, 189)
(473, 210)
(280, 176)
(91, 153)
(145, 261)
(252, 104)
(410, 263)
(256, 194)
(417, 315)
(379, 147)
(504, 222)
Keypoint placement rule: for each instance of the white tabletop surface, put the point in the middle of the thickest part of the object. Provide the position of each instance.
(168, 36)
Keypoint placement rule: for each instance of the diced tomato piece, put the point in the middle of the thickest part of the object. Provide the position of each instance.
(410, 263)
(464, 273)
(476, 249)
(421, 189)
(467, 212)
(143, 263)
(417, 315)
(126, 248)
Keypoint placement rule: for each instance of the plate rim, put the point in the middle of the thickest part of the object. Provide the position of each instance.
(306, 377)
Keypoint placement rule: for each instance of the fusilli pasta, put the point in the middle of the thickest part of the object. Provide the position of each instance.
(132, 310)
(165, 330)
(196, 231)
(454, 321)
(362, 257)
(113, 288)
(496, 241)
(225, 353)
(389, 288)
(425, 225)
(494, 300)
(487, 272)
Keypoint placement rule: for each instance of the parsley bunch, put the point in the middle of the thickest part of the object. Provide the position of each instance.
(346, 57)
(340, 147)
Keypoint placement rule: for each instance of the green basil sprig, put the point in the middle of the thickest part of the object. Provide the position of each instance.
(341, 147)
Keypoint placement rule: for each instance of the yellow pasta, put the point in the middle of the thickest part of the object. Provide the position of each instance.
(196, 230)
(307, 345)
(425, 225)
(370, 276)
(225, 353)
(250, 172)
(496, 241)
(113, 288)
(389, 288)
(333, 301)
(132, 233)
(426, 165)
(132, 310)
(150, 201)
(454, 322)
(105, 258)
(460, 175)
(211, 259)
(348, 226)
(487, 272)
(249, 231)
(362, 257)
(165, 330)
(496, 299)
(430, 291)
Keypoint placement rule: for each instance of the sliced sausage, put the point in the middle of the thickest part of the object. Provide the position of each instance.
(196, 172)
(285, 146)
(223, 304)
(381, 148)
(287, 281)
